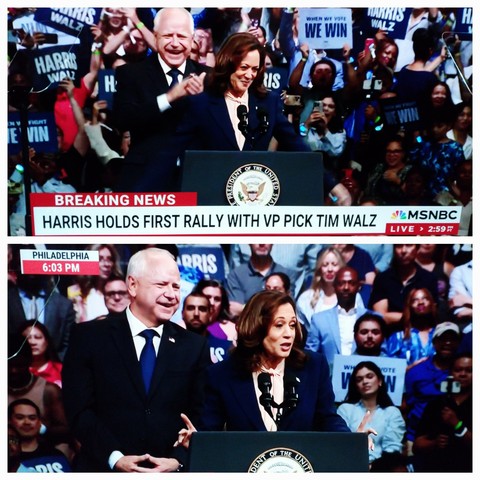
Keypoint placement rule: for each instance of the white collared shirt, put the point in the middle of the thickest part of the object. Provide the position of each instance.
(162, 101)
(137, 327)
(232, 105)
(346, 321)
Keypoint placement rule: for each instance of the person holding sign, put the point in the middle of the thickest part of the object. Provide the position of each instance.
(368, 405)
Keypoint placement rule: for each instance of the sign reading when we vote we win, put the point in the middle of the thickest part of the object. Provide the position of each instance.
(325, 28)
(393, 370)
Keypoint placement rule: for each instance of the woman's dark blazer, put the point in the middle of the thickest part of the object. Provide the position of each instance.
(207, 126)
(231, 401)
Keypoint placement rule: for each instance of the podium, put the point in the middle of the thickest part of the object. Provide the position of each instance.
(254, 178)
(278, 452)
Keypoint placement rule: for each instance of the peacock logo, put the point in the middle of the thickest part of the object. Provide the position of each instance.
(399, 215)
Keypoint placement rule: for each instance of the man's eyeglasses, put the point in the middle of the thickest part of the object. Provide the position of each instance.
(116, 293)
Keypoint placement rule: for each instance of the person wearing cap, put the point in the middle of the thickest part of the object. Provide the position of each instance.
(422, 382)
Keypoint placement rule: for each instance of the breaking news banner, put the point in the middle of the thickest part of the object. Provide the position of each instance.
(392, 368)
(59, 262)
(165, 214)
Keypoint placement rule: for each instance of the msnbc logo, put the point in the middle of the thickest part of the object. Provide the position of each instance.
(399, 215)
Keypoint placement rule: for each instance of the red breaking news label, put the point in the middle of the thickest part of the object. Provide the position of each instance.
(168, 199)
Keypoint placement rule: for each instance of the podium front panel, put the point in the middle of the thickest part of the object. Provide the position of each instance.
(278, 452)
(220, 178)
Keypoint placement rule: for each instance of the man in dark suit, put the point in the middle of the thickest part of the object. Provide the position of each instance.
(31, 299)
(123, 423)
(150, 103)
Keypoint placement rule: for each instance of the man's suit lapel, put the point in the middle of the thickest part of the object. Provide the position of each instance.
(156, 74)
(167, 354)
(50, 309)
(123, 339)
(333, 324)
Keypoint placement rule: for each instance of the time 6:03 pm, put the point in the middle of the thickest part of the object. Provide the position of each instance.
(61, 267)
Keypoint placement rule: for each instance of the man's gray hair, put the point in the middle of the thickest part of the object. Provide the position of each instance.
(139, 262)
(161, 12)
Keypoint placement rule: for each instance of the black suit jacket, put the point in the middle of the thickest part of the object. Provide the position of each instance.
(105, 402)
(136, 110)
(59, 317)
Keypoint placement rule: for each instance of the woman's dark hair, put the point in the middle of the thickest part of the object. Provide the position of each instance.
(423, 44)
(324, 61)
(448, 101)
(225, 306)
(253, 325)
(50, 352)
(398, 139)
(383, 43)
(229, 57)
(391, 462)
(283, 277)
(353, 395)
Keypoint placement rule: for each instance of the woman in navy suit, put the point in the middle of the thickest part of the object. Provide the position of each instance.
(236, 112)
(269, 383)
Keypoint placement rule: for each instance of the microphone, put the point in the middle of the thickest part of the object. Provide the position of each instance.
(264, 385)
(290, 395)
(262, 116)
(242, 114)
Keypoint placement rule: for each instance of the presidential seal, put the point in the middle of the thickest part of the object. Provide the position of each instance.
(280, 460)
(253, 184)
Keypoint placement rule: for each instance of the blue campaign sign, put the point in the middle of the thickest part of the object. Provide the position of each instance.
(208, 259)
(42, 132)
(219, 348)
(393, 20)
(325, 28)
(52, 65)
(106, 86)
(393, 370)
(399, 114)
(69, 20)
(47, 463)
(276, 79)
(463, 23)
